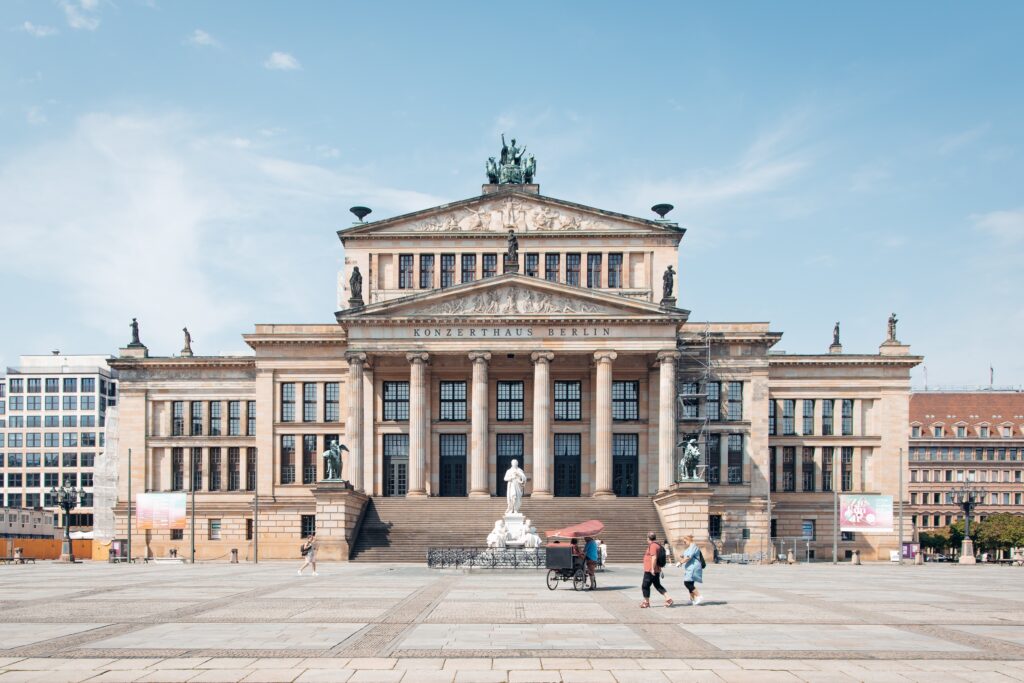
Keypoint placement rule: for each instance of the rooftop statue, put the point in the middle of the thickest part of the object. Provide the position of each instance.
(355, 283)
(513, 246)
(512, 167)
(135, 333)
(668, 283)
(835, 334)
(892, 328)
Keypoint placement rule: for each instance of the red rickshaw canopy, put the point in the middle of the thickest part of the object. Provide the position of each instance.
(589, 528)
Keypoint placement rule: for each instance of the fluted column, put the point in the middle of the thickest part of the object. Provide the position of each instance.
(542, 466)
(417, 424)
(603, 423)
(478, 469)
(354, 420)
(666, 418)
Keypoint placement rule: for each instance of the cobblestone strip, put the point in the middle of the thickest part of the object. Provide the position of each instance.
(993, 648)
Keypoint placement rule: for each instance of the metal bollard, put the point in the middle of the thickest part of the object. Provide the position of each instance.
(790, 557)
(234, 556)
(856, 557)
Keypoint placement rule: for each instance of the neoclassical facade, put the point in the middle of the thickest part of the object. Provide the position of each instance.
(511, 326)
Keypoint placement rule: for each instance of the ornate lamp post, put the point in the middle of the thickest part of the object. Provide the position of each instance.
(67, 499)
(967, 498)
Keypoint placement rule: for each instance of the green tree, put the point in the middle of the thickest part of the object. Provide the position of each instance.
(936, 542)
(1001, 531)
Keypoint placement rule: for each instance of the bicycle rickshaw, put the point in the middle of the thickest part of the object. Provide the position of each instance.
(561, 564)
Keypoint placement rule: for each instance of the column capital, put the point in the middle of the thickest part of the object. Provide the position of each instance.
(480, 356)
(668, 356)
(605, 356)
(418, 357)
(355, 357)
(542, 356)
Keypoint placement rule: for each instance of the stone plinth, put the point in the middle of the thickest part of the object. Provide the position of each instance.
(511, 264)
(354, 302)
(967, 552)
(835, 348)
(133, 351)
(338, 508)
(683, 510)
(668, 302)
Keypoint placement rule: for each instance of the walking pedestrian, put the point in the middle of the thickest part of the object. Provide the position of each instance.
(693, 568)
(308, 551)
(654, 562)
(591, 554)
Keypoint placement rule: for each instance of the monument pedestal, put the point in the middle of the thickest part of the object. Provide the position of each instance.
(354, 302)
(668, 302)
(511, 265)
(967, 552)
(338, 509)
(683, 510)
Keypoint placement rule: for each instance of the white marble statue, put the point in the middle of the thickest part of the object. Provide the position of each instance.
(532, 539)
(516, 479)
(498, 536)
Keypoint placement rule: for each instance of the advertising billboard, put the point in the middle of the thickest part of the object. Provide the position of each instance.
(865, 513)
(160, 511)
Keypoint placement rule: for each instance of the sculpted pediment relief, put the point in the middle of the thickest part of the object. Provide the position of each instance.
(512, 300)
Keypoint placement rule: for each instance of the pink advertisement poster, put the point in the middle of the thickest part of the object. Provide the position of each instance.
(865, 513)
(160, 511)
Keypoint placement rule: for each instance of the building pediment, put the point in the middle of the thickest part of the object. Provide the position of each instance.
(512, 296)
(524, 212)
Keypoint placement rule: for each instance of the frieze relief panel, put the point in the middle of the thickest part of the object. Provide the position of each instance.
(501, 215)
(511, 301)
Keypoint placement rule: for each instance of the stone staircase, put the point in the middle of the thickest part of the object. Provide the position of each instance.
(402, 529)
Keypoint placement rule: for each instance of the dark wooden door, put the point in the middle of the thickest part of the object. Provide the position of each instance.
(567, 476)
(453, 476)
(624, 477)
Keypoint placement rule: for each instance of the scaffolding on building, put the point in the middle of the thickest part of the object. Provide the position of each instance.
(695, 354)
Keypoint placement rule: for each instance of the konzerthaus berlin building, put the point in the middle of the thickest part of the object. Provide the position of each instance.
(456, 351)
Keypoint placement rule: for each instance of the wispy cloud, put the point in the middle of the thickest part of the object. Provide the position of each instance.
(282, 61)
(1005, 226)
(178, 226)
(201, 38)
(38, 30)
(957, 141)
(82, 14)
(35, 116)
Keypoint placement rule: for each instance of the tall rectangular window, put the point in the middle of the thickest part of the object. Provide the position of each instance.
(771, 417)
(735, 458)
(847, 468)
(177, 469)
(509, 445)
(250, 469)
(735, 401)
(396, 400)
(714, 458)
(197, 469)
(807, 468)
(287, 459)
(789, 468)
(250, 415)
(490, 265)
(551, 267)
(447, 270)
(309, 458)
(615, 271)
(70, 385)
(468, 267)
(288, 402)
(532, 265)
(88, 385)
(234, 418)
(405, 271)
(452, 445)
(35, 385)
(772, 468)
(52, 385)
(426, 271)
(197, 418)
(593, 271)
(309, 402)
(691, 402)
(568, 399)
(827, 406)
(234, 469)
(307, 526)
(332, 391)
(214, 418)
(713, 401)
(510, 401)
(788, 417)
(178, 418)
(453, 401)
(626, 400)
(572, 269)
(847, 417)
(215, 464)
(808, 426)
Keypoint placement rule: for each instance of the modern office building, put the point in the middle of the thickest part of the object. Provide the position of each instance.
(52, 419)
(965, 437)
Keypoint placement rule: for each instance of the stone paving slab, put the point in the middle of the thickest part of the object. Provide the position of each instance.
(226, 635)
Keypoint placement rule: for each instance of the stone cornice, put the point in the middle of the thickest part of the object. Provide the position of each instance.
(835, 359)
(179, 363)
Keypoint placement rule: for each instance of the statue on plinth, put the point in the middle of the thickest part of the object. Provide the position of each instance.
(332, 461)
(355, 283)
(516, 479)
(668, 283)
(187, 349)
(135, 333)
(835, 334)
(689, 461)
(498, 536)
(892, 329)
(512, 255)
(513, 167)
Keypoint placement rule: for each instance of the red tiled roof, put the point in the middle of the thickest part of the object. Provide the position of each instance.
(971, 407)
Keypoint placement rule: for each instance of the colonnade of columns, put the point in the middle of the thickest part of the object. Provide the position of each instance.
(542, 457)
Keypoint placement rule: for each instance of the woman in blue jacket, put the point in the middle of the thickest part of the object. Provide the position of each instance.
(693, 571)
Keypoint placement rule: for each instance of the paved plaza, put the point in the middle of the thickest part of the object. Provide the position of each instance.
(362, 622)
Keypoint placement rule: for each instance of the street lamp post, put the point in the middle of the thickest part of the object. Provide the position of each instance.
(967, 498)
(67, 498)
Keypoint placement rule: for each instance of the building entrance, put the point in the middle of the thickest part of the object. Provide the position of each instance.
(567, 465)
(453, 476)
(624, 476)
(510, 447)
(396, 464)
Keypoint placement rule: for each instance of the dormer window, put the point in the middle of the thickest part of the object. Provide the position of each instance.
(961, 431)
(937, 432)
(915, 432)
(983, 432)
(1007, 431)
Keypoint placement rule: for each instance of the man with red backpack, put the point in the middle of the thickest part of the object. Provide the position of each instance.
(654, 561)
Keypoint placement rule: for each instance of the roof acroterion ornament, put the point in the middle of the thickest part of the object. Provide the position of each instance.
(514, 167)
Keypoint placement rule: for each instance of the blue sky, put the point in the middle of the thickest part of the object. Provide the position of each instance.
(189, 163)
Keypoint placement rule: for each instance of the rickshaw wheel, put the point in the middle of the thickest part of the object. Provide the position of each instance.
(579, 580)
(552, 579)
